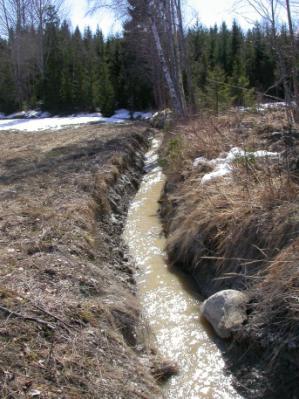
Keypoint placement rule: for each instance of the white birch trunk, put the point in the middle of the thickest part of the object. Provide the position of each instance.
(294, 60)
(168, 79)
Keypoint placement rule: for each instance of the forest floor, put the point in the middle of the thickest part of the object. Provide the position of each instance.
(230, 210)
(70, 324)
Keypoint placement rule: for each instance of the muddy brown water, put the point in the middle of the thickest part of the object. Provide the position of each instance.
(169, 300)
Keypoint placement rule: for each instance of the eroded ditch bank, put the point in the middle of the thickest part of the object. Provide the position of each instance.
(240, 231)
(70, 324)
(169, 300)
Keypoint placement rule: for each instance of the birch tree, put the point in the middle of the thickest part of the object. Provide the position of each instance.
(294, 55)
(22, 23)
(15, 22)
(272, 11)
(38, 11)
(162, 20)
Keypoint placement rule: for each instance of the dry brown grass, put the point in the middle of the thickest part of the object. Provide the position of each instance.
(275, 312)
(240, 231)
(232, 228)
(70, 323)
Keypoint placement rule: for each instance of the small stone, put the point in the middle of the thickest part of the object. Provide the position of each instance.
(35, 393)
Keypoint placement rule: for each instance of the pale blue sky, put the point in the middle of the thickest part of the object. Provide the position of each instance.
(208, 11)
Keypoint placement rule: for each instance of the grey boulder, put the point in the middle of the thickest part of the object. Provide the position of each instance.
(225, 311)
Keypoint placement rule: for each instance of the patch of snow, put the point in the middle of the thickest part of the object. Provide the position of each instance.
(21, 114)
(222, 169)
(121, 114)
(37, 120)
(44, 115)
(265, 106)
(142, 115)
(125, 114)
(44, 123)
(265, 154)
(86, 114)
(200, 161)
(234, 153)
(275, 105)
(222, 165)
(31, 114)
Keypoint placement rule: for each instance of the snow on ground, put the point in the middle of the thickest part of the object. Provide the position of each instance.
(125, 114)
(266, 106)
(26, 115)
(277, 105)
(37, 121)
(223, 165)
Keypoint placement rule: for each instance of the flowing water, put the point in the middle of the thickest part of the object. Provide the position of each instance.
(169, 300)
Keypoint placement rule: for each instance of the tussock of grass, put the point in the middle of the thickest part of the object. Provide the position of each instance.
(239, 231)
(275, 316)
(234, 225)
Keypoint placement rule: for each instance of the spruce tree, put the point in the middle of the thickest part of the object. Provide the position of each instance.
(8, 102)
(216, 95)
(52, 77)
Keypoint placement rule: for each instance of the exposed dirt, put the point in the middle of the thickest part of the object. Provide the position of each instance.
(241, 231)
(70, 324)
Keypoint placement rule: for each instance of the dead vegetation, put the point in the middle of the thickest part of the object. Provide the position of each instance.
(241, 230)
(70, 323)
(275, 315)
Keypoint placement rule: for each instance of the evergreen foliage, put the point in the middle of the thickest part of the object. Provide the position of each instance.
(85, 72)
(230, 66)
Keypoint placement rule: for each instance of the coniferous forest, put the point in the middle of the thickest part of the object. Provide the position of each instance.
(64, 70)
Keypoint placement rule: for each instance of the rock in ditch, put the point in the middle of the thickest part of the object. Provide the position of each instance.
(225, 311)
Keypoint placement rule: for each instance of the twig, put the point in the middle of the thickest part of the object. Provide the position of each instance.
(48, 313)
(245, 261)
(24, 317)
(261, 250)
(52, 315)
(232, 275)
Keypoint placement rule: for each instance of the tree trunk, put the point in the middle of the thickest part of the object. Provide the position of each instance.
(174, 98)
(184, 55)
(178, 56)
(294, 61)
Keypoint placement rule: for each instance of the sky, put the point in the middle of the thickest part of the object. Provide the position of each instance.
(77, 13)
(209, 12)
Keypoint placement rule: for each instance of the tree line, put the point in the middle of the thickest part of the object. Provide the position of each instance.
(46, 64)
